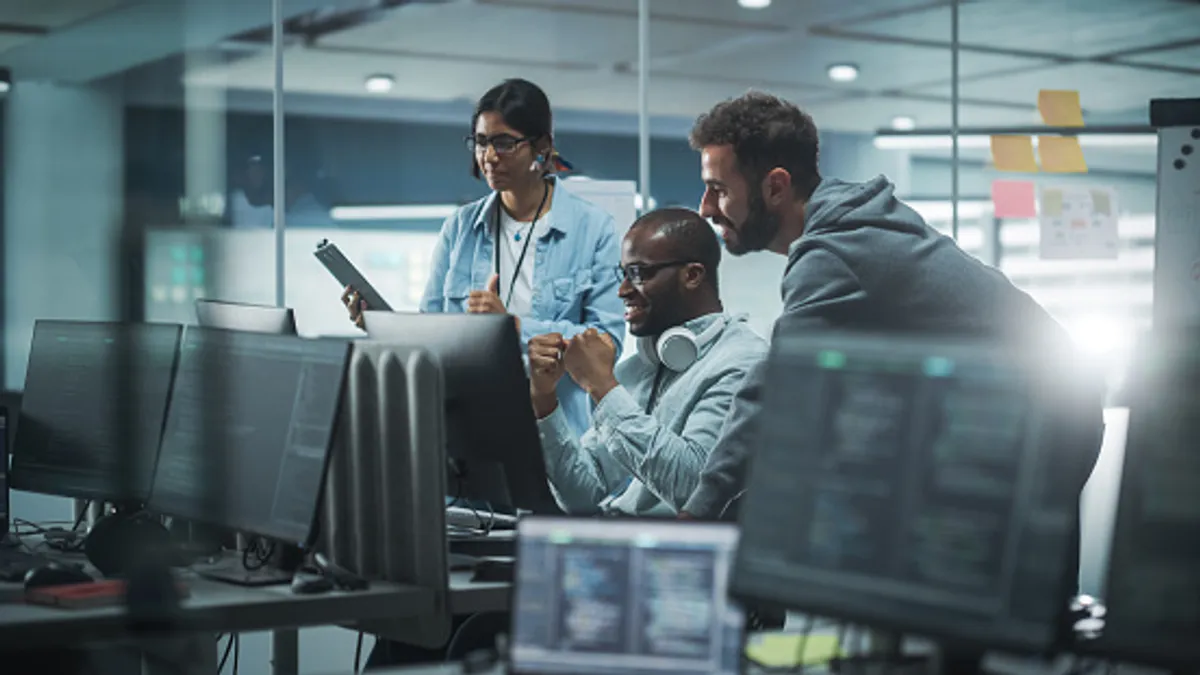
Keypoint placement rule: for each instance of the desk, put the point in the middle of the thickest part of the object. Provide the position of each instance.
(216, 607)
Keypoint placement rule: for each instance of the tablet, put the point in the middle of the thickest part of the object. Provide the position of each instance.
(348, 275)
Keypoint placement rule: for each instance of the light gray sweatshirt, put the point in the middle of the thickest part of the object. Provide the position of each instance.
(649, 462)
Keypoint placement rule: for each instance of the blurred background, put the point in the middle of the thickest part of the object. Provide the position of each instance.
(140, 156)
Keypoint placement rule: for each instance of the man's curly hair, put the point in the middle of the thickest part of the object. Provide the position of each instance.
(766, 132)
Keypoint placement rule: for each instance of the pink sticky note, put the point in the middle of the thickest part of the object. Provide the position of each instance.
(1014, 199)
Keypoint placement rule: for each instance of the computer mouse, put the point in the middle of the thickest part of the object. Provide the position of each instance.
(55, 574)
(307, 584)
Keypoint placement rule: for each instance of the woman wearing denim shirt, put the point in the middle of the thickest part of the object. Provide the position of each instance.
(557, 251)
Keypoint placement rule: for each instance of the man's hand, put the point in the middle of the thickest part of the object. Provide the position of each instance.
(545, 370)
(486, 301)
(589, 361)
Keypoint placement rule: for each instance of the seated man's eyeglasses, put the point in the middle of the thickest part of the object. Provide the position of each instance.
(639, 273)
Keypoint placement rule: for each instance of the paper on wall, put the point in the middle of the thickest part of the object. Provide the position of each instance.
(617, 197)
(1078, 222)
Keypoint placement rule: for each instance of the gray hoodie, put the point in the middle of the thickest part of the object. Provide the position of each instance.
(866, 261)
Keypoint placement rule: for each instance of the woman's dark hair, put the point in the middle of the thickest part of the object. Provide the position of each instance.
(523, 106)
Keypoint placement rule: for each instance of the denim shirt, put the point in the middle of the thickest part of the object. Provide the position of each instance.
(648, 463)
(574, 284)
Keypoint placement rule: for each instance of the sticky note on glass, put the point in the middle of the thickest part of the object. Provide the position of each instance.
(1060, 108)
(1102, 202)
(1061, 154)
(1014, 199)
(1052, 203)
(1013, 153)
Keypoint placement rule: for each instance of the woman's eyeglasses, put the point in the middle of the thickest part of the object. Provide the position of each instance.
(639, 273)
(503, 144)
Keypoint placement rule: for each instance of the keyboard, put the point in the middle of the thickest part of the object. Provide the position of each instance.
(459, 516)
(15, 564)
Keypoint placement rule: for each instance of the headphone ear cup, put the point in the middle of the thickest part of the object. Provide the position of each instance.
(677, 348)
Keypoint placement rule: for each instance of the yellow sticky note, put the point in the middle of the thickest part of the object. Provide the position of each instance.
(1061, 154)
(1013, 153)
(1101, 204)
(1052, 202)
(779, 650)
(1060, 108)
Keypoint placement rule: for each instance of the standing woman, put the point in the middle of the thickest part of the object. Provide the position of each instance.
(530, 248)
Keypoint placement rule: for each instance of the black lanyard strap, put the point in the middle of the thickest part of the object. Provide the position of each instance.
(658, 376)
(525, 248)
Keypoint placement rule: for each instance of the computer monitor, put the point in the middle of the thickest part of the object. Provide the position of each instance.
(914, 484)
(246, 317)
(492, 439)
(1153, 590)
(247, 440)
(83, 382)
(614, 595)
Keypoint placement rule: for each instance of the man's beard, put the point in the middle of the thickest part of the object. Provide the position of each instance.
(757, 231)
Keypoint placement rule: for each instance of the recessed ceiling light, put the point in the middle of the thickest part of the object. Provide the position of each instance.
(380, 84)
(843, 72)
(754, 4)
(903, 123)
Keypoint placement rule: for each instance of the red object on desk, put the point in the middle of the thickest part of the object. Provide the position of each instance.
(91, 594)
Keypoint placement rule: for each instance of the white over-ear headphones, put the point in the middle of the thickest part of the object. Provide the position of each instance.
(678, 348)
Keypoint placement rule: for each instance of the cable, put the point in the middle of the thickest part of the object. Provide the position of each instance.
(82, 514)
(802, 645)
(225, 656)
(257, 553)
(358, 654)
(458, 482)
(237, 652)
(458, 634)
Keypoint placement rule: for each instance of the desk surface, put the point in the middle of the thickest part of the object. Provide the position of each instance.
(211, 606)
(221, 607)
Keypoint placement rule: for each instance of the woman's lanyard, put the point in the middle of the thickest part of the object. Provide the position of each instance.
(525, 248)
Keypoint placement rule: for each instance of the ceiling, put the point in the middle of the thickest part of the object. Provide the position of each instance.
(1118, 54)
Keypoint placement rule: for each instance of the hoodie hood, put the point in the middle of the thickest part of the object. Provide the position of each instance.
(839, 206)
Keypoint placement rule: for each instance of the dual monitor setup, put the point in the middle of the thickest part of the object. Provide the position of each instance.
(230, 424)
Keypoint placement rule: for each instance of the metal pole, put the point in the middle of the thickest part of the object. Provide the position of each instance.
(954, 119)
(644, 103)
(278, 154)
(285, 648)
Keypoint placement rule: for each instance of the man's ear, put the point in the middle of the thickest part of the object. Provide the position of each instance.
(777, 187)
(693, 276)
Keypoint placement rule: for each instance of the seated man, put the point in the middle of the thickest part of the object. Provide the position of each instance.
(658, 413)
